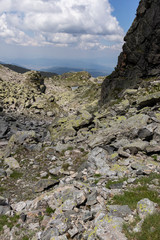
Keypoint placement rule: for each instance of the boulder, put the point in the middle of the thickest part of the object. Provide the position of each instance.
(119, 211)
(153, 149)
(148, 100)
(67, 127)
(19, 139)
(11, 162)
(97, 159)
(4, 206)
(108, 228)
(2, 172)
(137, 145)
(129, 128)
(35, 80)
(43, 184)
(146, 207)
(3, 128)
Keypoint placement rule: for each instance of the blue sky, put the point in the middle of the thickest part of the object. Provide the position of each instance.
(86, 30)
(124, 11)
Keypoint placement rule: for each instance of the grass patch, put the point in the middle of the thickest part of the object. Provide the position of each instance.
(25, 238)
(9, 221)
(96, 181)
(85, 154)
(150, 229)
(2, 189)
(62, 152)
(154, 157)
(147, 179)
(40, 218)
(65, 166)
(56, 177)
(111, 182)
(70, 148)
(98, 175)
(49, 211)
(131, 197)
(81, 149)
(16, 175)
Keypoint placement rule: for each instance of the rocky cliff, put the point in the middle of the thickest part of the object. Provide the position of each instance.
(140, 57)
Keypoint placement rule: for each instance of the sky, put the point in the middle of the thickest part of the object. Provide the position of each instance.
(89, 30)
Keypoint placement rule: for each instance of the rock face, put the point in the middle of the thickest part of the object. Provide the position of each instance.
(140, 57)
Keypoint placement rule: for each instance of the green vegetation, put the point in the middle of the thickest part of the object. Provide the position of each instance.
(40, 218)
(25, 238)
(62, 152)
(16, 175)
(49, 211)
(98, 175)
(131, 197)
(70, 148)
(85, 154)
(138, 192)
(65, 166)
(82, 149)
(96, 181)
(154, 157)
(111, 182)
(8, 221)
(148, 179)
(2, 189)
(56, 177)
(150, 229)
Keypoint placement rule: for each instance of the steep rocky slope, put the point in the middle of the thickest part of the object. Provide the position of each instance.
(65, 163)
(140, 57)
(70, 169)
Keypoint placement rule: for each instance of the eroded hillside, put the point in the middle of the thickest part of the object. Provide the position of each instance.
(68, 166)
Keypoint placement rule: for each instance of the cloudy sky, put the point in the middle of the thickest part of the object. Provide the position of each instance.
(64, 29)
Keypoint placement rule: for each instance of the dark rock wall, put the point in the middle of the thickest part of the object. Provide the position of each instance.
(140, 57)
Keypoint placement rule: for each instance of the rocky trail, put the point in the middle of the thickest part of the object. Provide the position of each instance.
(80, 156)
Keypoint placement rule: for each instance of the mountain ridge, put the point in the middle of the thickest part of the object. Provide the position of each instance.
(20, 69)
(94, 73)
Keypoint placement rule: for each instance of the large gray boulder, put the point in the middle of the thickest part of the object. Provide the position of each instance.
(146, 207)
(3, 128)
(19, 139)
(129, 128)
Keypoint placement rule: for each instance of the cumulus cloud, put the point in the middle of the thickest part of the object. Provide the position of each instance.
(84, 23)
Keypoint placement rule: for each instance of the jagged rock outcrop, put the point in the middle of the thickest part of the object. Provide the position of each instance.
(140, 57)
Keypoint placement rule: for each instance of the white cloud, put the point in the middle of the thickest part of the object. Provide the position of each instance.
(5, 5)
(4, 29)
(84, 23)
